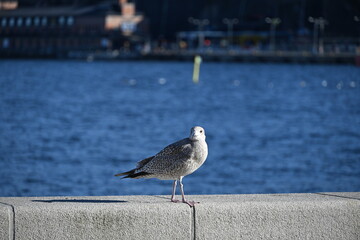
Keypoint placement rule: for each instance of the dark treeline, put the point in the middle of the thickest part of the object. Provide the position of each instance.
(166, 17)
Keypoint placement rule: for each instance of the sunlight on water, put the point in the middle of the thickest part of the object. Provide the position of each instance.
(68, 127)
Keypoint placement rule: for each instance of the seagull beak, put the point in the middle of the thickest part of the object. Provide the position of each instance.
(194, 135)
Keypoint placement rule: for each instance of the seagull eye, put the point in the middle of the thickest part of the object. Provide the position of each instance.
(201, 131)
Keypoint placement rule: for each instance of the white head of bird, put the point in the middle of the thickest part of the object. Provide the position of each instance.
(197, 133)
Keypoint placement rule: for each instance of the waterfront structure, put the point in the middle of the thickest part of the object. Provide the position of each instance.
(218, 40)
(60, 31)
(259, 216)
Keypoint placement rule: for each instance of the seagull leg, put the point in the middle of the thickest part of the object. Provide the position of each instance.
(190, 203)
(173, 193)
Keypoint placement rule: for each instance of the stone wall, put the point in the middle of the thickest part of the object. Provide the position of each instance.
(259, 216)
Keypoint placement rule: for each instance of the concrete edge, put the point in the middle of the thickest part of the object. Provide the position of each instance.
(230, 208)
(193, 222)
(339, 195)
(11, 211)
(280, 216)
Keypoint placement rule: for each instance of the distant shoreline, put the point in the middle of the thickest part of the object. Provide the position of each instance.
(207, 55)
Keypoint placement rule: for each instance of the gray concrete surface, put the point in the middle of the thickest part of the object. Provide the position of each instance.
(355, 195)
(278, 216)
(6, 221)
(117, 217)
(268, 216)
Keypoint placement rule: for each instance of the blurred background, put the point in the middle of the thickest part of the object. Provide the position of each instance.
(282, 30)
(88, 88)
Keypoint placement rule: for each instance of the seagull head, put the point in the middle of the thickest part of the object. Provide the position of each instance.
(197, 133)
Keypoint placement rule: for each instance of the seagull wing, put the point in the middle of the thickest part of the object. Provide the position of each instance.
(168, 158)
(143, 162)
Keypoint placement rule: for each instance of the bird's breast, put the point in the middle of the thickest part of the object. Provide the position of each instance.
(200, 152)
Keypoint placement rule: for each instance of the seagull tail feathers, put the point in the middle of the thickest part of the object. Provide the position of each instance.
(132, 174)
(125, 173)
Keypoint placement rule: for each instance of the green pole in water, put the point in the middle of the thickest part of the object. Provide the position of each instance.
(197, 62)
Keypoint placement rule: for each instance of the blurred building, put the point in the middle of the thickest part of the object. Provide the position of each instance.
(63, 30)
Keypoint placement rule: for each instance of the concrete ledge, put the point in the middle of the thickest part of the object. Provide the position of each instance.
(280, 216)
(6, 221)
(270, 216)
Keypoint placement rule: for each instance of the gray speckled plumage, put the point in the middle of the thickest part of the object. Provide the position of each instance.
(178, 159)
(174, 161)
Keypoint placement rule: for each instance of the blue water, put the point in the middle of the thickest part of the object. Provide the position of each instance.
(67, 127)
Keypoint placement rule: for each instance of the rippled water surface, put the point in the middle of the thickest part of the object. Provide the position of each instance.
(67, 127)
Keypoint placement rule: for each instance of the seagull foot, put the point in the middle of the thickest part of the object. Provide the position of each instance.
(190, 203)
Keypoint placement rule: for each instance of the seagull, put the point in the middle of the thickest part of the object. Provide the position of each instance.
(174, 162)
